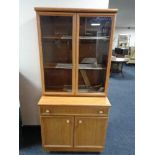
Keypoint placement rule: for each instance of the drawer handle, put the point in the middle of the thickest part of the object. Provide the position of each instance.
(100, 112)
(67, 121)
(47, 111)
(80, 121)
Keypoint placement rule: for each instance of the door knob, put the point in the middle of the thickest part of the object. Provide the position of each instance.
(47, 111)
(80, 121)
(67, 121)
(100, 112)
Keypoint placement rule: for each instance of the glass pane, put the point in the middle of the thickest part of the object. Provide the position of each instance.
(93, 53)
(58, 80)
(57, 52)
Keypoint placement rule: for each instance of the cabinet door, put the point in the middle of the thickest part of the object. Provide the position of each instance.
(90, 132)
(57, 45)
(57, 131)
(94, 46)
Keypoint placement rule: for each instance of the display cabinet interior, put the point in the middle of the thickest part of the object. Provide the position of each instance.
(56, 40)
(75, 70)
(94, 36)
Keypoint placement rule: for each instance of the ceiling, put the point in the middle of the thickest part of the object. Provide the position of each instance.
(126, 12)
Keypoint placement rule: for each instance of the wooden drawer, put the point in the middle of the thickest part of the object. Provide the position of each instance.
(74, 110)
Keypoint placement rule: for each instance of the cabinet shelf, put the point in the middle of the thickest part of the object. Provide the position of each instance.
(94, 37)
(91, 66)
(69, 66)
(82, 88)
(57, 37)
(59, 65)
(80, 37)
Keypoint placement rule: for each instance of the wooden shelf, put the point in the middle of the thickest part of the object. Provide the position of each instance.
(59, 66)
(83, 101)
(86, 89)
(81, 37)
(91, 66)
(94, 37)
(69, 66)
(65, 88)
(57, 37)
(82, 88)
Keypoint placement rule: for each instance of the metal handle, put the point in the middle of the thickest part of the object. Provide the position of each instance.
(100, 112)
(67, 121)
(80, 121)
(47, 111)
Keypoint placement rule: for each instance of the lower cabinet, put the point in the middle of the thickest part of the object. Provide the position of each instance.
(73, 133)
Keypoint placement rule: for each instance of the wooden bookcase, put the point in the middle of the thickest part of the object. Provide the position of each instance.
(75, 56)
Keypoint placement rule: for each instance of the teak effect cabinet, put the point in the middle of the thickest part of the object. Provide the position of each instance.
(75, 56)
(73, 123)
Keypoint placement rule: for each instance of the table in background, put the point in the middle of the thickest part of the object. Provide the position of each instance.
(117, 64)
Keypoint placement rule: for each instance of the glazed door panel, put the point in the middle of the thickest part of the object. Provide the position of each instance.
(57, 56)
(57, 131)
(93, 45)
(90, 132)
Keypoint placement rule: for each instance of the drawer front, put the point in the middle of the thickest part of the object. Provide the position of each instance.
(74, 110)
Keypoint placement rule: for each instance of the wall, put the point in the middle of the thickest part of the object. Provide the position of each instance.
(125, 18)
(123, 30)
(29, 77)
(126, 12)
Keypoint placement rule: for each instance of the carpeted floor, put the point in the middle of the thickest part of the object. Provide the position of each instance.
(120, 136)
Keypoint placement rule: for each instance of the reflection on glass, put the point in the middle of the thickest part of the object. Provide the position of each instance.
(56, 36)
(93, 53)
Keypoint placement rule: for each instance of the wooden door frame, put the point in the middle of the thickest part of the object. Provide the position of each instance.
(113, 17)
(73, 15)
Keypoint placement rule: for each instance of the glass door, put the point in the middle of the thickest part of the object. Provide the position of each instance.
(93, 50)
(57, 52)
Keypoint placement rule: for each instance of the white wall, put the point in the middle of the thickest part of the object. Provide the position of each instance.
(29, 77)
(122, 30)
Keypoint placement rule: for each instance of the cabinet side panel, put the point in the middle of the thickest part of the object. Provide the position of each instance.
(40, 53)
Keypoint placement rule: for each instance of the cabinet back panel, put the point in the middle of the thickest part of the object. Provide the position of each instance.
(57, 51)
